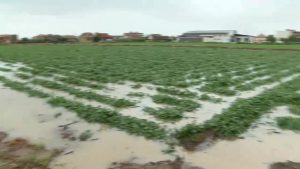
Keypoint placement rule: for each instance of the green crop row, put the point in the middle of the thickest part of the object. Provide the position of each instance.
(18, 86)
(176, 92)
(173, 113)
(78, 82)
(89, 95)
(130, 124)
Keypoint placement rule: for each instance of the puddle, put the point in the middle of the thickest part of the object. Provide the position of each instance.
(112, 146)
(33, 119)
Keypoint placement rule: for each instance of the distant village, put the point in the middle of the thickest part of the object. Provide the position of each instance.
(209, 36)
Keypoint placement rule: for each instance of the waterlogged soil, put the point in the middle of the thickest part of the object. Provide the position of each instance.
(20, 154)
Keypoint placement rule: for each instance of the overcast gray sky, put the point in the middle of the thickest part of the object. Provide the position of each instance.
(171, 17)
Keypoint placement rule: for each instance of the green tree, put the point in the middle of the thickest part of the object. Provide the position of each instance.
(271, 39)
(293, 39)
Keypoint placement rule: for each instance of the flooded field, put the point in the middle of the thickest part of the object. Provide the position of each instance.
(35, 121)
(197, 117)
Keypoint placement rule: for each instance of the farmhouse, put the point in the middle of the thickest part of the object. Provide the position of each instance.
(50, 38)
(70, 38)
(216, 36)
(239, 38)
(221, 36)
(133, 35)
(8, 39)
(103, 37)
(261, 38)
(280, 35)
(158, 38)
(46, 38)
(287, 33)
(86, 37)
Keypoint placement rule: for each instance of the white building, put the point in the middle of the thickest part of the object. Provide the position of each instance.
(286, 34)
(239, 38)
(219, 36)
(216, 36)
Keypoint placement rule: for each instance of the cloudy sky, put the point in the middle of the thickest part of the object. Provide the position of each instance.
(172, 17)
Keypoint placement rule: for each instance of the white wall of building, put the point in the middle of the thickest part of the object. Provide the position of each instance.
(218, 39)
(283, 34)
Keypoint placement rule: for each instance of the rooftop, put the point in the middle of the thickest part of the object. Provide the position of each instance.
(214, 31)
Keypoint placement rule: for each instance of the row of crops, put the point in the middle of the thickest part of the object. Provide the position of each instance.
(184, 79)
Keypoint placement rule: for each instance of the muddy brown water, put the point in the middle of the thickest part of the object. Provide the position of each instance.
(36, 121)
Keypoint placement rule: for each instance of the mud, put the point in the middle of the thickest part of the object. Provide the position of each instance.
(176, 164)
(285, 165)
(200, 142)
(20, 154)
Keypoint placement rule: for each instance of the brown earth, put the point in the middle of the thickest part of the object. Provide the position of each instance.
(19, 154)
(176, 164)
(285, 165)
(199, 140)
